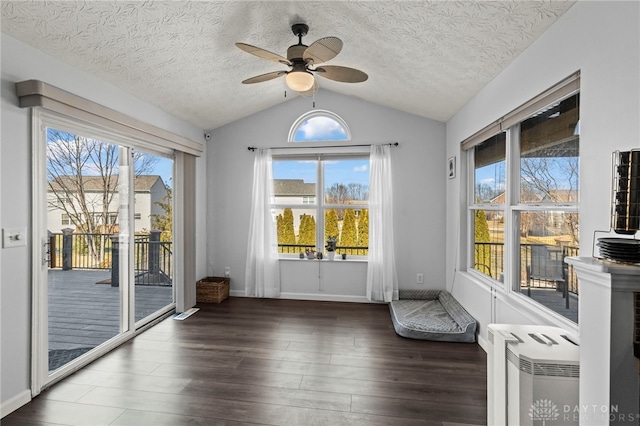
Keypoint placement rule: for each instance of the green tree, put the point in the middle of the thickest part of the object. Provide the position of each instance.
(307, 231)
(363, 228)
(330, 224)
(289, 234)
(349, 235)
(482, 259)
(286, 234)
(164, 222)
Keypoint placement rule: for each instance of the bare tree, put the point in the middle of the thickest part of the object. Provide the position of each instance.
(82, 175)
(551, 179)
(339, 193)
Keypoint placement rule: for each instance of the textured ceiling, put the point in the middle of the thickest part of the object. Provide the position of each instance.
(424, 57)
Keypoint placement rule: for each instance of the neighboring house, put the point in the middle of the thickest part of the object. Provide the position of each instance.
(294, 192)
(149, 191)
(288, 192)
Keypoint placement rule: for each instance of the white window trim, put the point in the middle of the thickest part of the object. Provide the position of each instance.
(512, 206)
(320, 206)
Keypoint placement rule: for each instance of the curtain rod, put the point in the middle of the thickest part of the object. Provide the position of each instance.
(253, 148)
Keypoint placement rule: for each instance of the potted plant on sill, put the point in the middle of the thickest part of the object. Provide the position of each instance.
(331, 247)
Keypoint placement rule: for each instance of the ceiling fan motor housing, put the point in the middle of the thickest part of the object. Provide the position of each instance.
(295, 52)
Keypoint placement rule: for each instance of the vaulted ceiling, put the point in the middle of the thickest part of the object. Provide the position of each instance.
(424, 57)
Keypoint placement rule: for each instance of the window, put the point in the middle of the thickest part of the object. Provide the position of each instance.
(137, 216)
(308, 213)
(523, 201)
(488, 205)
(319, 125)
(65, 220)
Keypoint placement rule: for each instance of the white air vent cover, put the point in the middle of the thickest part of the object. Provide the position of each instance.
(530, 366)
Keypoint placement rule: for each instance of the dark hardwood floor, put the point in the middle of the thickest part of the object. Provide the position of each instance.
(272, 362)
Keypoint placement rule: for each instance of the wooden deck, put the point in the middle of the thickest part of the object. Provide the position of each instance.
(555, 301)
(84, 314)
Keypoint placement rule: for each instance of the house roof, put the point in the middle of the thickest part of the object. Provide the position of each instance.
(142, 183)
(427, 58)
(293, 187)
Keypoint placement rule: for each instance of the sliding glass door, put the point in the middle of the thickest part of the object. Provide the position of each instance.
(153, 242)
(104, 265)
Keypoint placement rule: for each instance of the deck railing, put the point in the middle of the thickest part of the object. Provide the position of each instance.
(301, 248)
(153, 259)
(492, 255)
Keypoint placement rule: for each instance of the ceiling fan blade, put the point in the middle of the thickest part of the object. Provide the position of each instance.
(261, 53)
(323, 50)
(264, 77)
(311, 92)
(342, 74)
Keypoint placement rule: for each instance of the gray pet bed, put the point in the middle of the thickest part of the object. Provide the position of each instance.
(432, 315)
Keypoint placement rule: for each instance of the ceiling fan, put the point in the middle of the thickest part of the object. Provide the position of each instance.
(304, 61)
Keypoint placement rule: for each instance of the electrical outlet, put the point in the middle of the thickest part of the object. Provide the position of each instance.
(227, 271)
(420, 278)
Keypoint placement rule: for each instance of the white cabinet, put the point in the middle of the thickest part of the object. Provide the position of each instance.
(339, 280)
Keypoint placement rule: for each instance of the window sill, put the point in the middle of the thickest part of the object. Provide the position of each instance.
(534, 311)
(352, 259)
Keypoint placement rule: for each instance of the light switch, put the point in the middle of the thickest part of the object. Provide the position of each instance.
(14, 237)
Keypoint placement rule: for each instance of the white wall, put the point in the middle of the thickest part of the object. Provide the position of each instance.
(419, 170)
(21, 62)
(601, 39)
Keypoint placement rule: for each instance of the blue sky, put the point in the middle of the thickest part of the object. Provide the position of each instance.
(492, 175)
(320, 128)
(323, 128)
(336, 171)
(163, 166)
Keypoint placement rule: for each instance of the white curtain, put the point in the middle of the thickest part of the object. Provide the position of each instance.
(382, 279)
(262, 269)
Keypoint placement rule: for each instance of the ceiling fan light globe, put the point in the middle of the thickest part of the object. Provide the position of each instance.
(300, 81)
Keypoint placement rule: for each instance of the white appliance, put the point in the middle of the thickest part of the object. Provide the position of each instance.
(533, 376)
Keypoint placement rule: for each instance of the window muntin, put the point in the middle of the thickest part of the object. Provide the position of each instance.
(527, 210)
(299, 201)
(318, 126)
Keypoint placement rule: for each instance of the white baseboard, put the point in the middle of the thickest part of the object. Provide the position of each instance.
(483, 343)
(325, 297)
(12, 404)
(313, 296)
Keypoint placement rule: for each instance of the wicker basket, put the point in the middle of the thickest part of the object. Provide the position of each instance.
(212, 289)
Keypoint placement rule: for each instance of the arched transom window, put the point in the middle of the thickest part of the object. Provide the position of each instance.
(319, 125)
